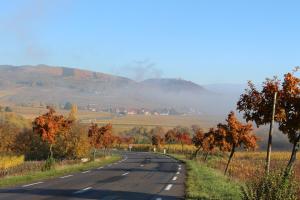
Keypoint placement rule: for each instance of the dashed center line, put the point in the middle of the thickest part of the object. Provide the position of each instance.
(174, 178)
(83, 190)
(169, 187)
(125, 174)
(85, 172)
(32, 184)
(66, 176)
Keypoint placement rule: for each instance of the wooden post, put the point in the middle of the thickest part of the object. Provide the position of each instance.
(269, 149)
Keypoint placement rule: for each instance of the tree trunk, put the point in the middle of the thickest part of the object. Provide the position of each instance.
(196, 152)
(51, 151)
(293, 157)
(206, 155)
(269, 149)
(94, 154)
(229, 160)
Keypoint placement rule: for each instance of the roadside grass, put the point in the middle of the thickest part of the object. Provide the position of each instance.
(56, 172)
(204, 183)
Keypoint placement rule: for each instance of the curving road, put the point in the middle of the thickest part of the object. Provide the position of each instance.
(138, 176)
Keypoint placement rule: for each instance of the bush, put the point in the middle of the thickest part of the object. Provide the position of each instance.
(10, 161)
(271, 187)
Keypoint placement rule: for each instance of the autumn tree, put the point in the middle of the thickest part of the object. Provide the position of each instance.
(48, 125)
(94, 138)
(73, 113)
(158, 130)
(209, 142)
(170, 137)
(100, 137)
(290, 124)
(234, 134)
(106, 137)
(197, 140)
(183, 138)
(157, 140)
(259, 106)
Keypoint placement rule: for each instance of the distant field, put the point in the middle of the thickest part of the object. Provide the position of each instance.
(129, 121)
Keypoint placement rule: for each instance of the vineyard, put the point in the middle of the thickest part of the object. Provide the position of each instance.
(228, 149)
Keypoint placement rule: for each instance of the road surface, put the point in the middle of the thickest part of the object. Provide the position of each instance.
(138, 176)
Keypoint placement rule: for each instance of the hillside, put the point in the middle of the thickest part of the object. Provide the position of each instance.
(57, 85)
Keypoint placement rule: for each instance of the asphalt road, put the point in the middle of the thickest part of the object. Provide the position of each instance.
(138, 176)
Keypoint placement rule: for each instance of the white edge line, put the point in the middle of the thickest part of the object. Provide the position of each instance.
(83, 190)
(177, 172)
(85, 172)
(66, 176)
(169, 187)
(174, 178)
(32, 184)
(125, 174)
(100, 167)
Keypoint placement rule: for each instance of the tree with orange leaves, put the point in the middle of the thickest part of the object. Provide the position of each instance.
(49, 125)
(94, 137)
(157, 140)
(234, 134)
(106, 137)
(209, 142)
(261, 107)
(198, 140)
(100, 137)
(290, 103)
(170, 137)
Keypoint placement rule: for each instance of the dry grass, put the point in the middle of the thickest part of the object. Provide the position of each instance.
(246, 165)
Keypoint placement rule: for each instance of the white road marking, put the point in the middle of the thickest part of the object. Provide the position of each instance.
(85, 172)
(177, 173)
(32, 184)
(174, 178)
(169, 187)
(142, 165)
(179, 165)
(158, 198)
(66, 176)
(179, 168)
(125, 174)
(83, 190)
(100, 167)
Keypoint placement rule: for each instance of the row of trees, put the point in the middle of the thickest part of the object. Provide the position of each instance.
(52, 135)
(226, 137)
(277, 101)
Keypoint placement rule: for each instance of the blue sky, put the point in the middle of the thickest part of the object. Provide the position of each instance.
(205, 41)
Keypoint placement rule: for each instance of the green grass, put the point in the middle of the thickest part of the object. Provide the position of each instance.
(58, 171)
(206, 183)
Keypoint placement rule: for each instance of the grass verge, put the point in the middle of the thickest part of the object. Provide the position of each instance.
(58, 171)
(205, 183)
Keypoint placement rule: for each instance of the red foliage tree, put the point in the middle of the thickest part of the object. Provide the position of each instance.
(49, 125)
(234, 134)
(290, 124)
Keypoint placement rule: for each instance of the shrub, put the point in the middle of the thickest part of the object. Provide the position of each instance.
(10, 161)
(271, 187)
